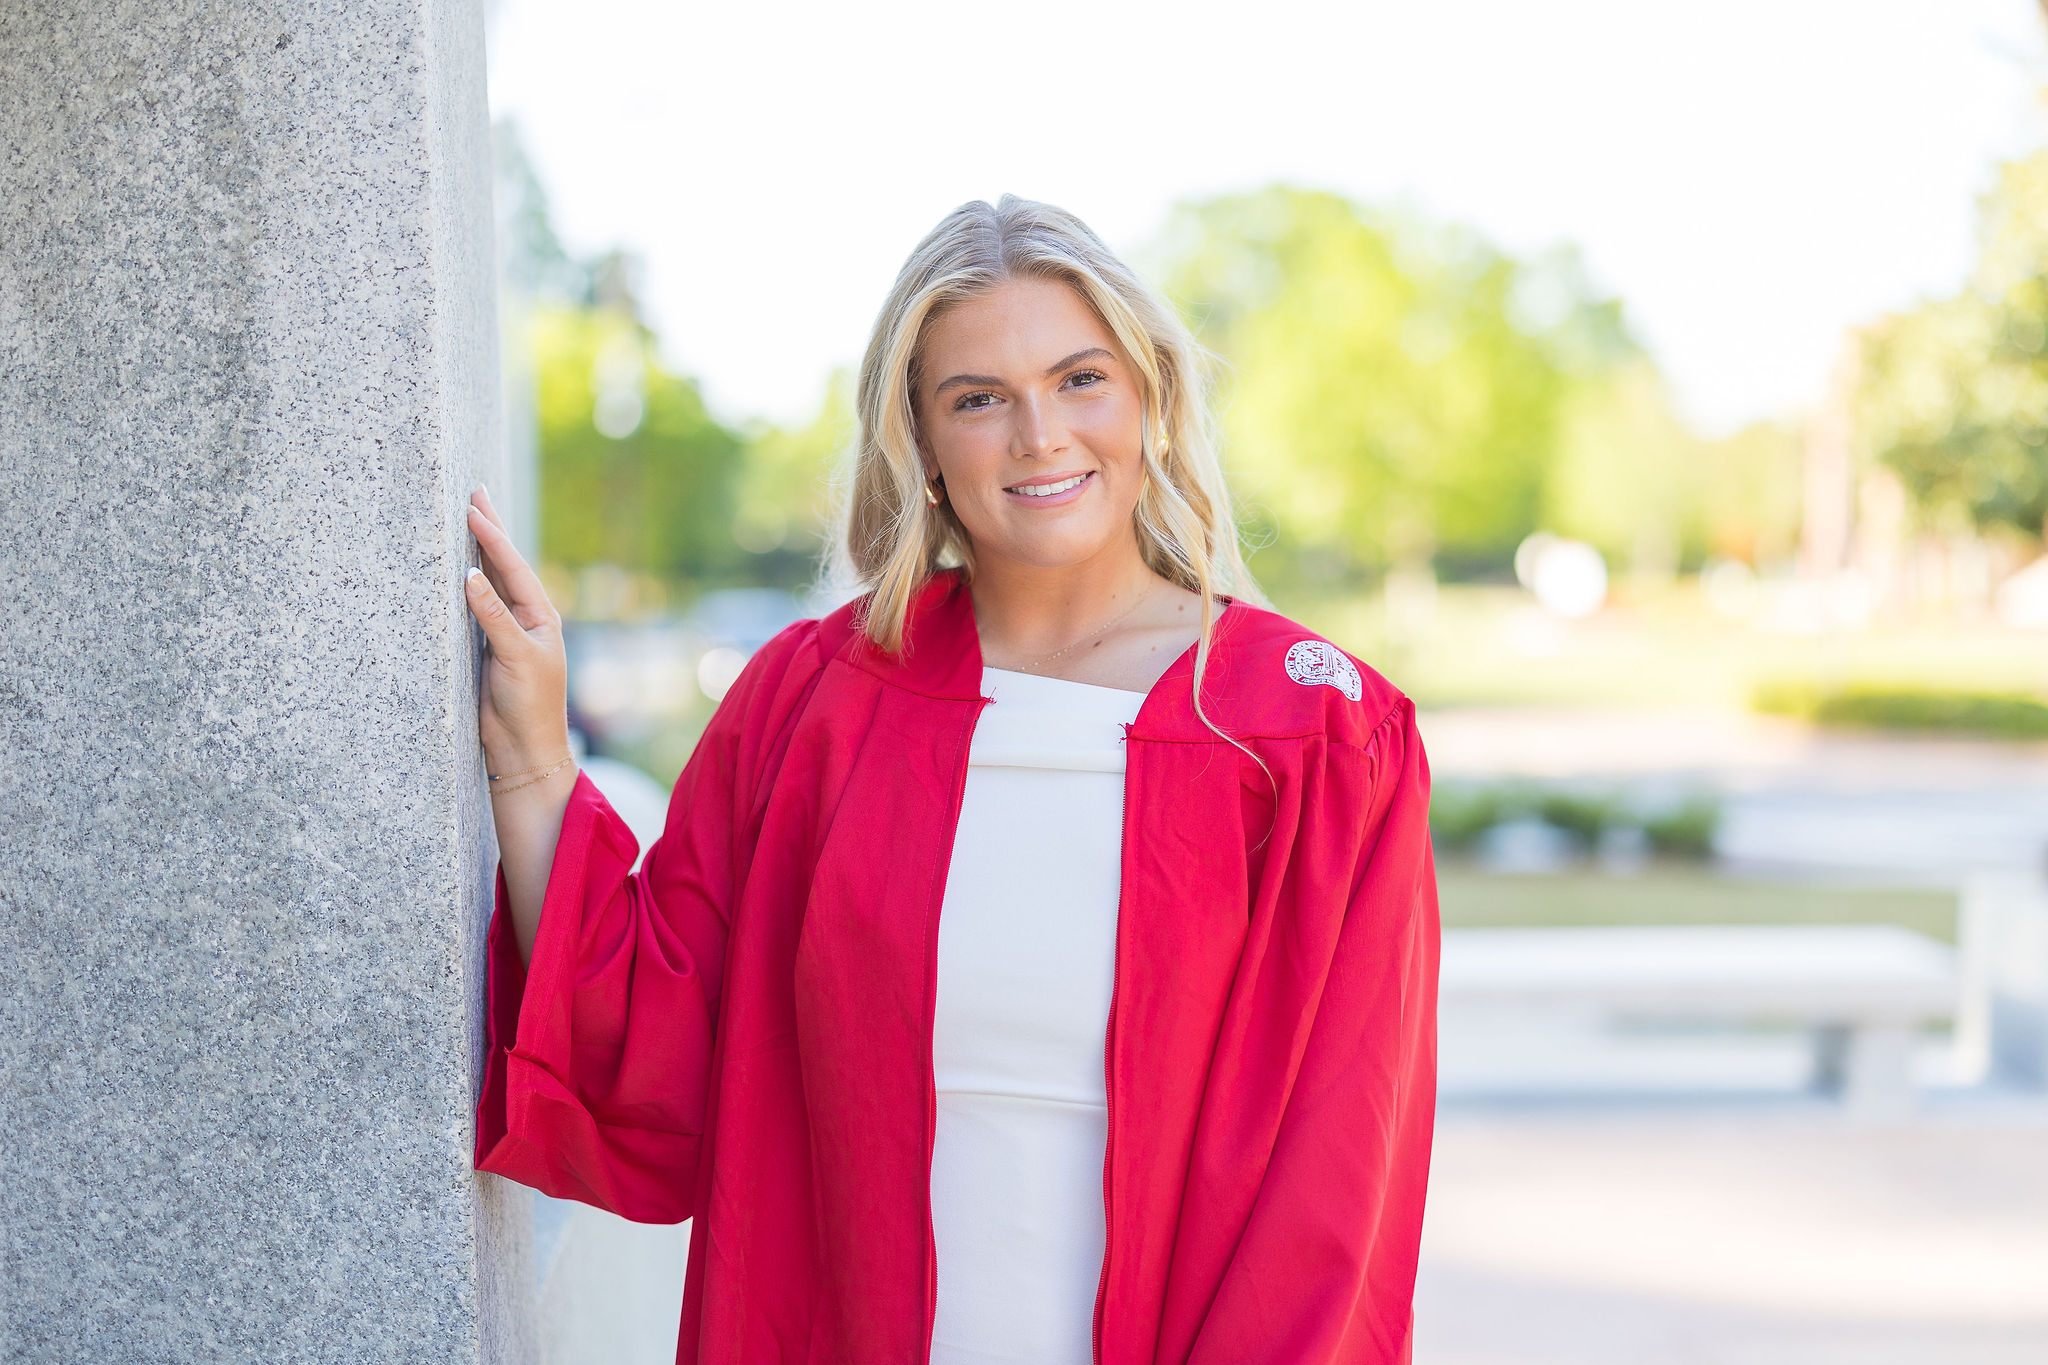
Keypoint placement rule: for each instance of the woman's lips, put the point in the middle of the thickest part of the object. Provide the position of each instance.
(1069, 489)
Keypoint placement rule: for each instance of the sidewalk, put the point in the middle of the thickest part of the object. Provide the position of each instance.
(1768, 1234)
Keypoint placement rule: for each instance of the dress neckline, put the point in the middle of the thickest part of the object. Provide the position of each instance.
(1064, 682)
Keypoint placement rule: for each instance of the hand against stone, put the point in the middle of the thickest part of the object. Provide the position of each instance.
(523, 709)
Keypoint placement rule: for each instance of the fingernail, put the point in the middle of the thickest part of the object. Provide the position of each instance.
(483, 490)
(473, 578)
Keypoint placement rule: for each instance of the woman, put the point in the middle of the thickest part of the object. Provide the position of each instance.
(1038, 962)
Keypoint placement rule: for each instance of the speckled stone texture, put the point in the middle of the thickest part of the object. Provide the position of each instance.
(248, 374)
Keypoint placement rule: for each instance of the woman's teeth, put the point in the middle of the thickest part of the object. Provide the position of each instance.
(1046, 490)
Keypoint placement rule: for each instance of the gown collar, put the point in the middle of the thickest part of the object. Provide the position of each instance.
(941, 658)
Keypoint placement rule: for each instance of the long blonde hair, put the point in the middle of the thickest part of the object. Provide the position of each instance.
(887, 540)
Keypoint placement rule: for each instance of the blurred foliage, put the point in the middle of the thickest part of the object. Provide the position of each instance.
(783, 488)
(533, 263)
(1953, 395)
(673, 492)
(1581, 816)
(2002, 715)
(1394, 390)
(1750, 493)
(1398, 391)
(658, 494)
(1686, 830)
(1624, 470)
(646, 492)
(1634, 480)
(1460, 814)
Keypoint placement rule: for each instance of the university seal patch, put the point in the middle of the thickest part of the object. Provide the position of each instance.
(1318, 661)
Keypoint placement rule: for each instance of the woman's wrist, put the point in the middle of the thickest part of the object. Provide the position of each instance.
(512, 782)
(512, 761)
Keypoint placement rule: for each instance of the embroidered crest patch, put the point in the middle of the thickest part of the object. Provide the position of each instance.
(1318, 661)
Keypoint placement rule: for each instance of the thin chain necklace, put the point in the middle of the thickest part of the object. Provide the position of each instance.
(1097, 634)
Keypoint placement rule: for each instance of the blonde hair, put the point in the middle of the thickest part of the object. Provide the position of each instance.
(888, 541)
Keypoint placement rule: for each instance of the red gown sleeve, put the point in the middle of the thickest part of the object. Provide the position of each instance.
(1325, 1271)
(598, 1054)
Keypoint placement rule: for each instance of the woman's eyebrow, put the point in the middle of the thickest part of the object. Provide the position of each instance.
(959, 379)
(1091, 353)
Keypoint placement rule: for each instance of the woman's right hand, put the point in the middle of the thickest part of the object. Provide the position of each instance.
(522, 716)
(523, 707)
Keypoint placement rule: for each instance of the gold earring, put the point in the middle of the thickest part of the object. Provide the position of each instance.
(931, 497)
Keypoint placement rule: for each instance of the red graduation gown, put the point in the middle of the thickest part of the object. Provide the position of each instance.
(740, 1032)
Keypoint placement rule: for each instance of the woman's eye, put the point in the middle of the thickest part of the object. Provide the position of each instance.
(1087, 374)
(965, 401)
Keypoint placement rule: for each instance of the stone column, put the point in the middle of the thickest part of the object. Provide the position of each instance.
(248, 373)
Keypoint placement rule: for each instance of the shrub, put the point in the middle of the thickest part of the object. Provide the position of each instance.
(1686, 831)
(1459, 813)
(2003, 715)
(1581, 816)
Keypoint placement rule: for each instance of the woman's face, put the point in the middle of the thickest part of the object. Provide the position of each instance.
(1024, 391)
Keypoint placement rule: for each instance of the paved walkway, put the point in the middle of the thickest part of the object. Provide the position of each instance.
(1769, 1235)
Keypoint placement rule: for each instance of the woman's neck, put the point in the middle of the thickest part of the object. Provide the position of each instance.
(1025, 611)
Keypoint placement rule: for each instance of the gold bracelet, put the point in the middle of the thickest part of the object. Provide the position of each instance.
(500, 777)
(531, 780)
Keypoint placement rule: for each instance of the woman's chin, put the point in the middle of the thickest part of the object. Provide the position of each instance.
(1052, 548)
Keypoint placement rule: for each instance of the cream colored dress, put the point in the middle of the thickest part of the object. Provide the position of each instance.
(1027, 944)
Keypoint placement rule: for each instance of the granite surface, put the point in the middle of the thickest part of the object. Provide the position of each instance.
(248, 374)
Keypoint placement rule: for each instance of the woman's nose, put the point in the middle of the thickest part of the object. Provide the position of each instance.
(1036, 431)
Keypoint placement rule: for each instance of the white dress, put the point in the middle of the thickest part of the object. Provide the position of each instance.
(1026, 952)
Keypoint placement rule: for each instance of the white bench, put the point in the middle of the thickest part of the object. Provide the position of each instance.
(1863, 989)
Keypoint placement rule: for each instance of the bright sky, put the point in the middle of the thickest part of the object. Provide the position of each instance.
(1749, 176)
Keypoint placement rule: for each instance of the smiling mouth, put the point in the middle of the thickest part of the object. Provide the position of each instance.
(1046, 490)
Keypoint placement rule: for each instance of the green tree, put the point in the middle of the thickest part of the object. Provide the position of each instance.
(1395, 390)
(1626, 471)
(783, 493)
(1749, 491)
(634, 471)
(1953, 395)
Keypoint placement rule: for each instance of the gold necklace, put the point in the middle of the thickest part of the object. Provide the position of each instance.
(1097, 634)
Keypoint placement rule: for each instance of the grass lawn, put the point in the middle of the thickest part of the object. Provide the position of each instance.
(1492, 645)
(1472, 899)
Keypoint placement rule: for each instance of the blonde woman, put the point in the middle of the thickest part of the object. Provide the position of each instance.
(1038, 963)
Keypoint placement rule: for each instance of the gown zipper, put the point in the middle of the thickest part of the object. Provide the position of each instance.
(1109, 1048)
(931, 1246)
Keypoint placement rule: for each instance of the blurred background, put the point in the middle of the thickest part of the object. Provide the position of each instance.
(1658, 395)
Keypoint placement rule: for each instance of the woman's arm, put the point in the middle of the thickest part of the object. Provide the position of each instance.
(599, 1040)
(603, 983)
(1325, 1269)
(522, 716)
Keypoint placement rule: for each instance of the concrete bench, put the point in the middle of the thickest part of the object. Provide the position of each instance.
(1863, 989)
